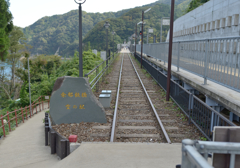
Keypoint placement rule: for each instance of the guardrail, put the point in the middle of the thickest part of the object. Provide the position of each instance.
(199, 113)
(22, 113)
(195, 153)
(216, 59)
(102, 67)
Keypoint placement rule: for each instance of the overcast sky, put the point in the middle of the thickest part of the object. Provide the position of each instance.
(26, 12)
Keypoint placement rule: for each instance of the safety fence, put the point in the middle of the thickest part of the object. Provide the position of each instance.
(199, 113)
(98, 72)
(215, 59)
(12, 119)
(195, 153)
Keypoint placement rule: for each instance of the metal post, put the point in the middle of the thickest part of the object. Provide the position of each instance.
(142, 38)
(97, 85)
(29, 86)
(80, 42)
(161, 31)
(190, 107)
(103, 72)
(170, 50)
(113, 46)
(107, 50)
(154, 39)
(185, 160)
(206, 62)
(178, 57)
(147, 35)
(136, 40)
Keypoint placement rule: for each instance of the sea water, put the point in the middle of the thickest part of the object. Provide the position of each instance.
(7, 68)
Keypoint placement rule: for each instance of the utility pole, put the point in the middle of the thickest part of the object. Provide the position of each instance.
(80, 2)
(136, 40)
(142, 38)
(80, 42)
(142, 32)
(170, 51)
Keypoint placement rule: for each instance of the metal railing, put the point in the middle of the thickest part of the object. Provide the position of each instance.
(195, 153)
(199, 113)
(216, 59)
(99, 70)
(12, 119)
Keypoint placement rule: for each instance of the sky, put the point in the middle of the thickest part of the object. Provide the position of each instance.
(26, 12)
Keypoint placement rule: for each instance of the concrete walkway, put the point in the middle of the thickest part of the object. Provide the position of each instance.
(24, 147)
(123, 155)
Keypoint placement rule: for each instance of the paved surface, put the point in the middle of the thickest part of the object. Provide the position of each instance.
(124, 155)
(24, 147)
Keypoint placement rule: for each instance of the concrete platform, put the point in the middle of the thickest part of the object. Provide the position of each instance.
(229, 98)
(123, 155)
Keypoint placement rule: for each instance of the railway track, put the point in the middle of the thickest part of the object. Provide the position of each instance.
(135, 111)
(135, 117)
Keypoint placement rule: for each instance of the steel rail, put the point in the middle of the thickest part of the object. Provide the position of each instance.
(113, 131)
(154, 110)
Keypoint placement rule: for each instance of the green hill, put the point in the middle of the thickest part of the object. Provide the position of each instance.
(49, 33)
(124, 26)
(61, 31)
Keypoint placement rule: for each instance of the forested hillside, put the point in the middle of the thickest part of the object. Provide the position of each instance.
(124, 26)
(61, 31)
(49, 33)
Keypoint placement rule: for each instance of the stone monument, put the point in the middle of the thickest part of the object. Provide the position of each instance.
(72, 101)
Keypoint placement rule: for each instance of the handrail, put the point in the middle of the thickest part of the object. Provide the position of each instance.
(219, 38)
(94, 68)
(214, 111)
(195, 153)
(28, 111)
(213, 59)
(97, 66)
(99, 75)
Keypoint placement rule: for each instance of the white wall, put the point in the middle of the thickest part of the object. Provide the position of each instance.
(214, 19)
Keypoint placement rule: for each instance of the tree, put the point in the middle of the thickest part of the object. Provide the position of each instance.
(6, 26)
(194, 4)
(16, 38)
